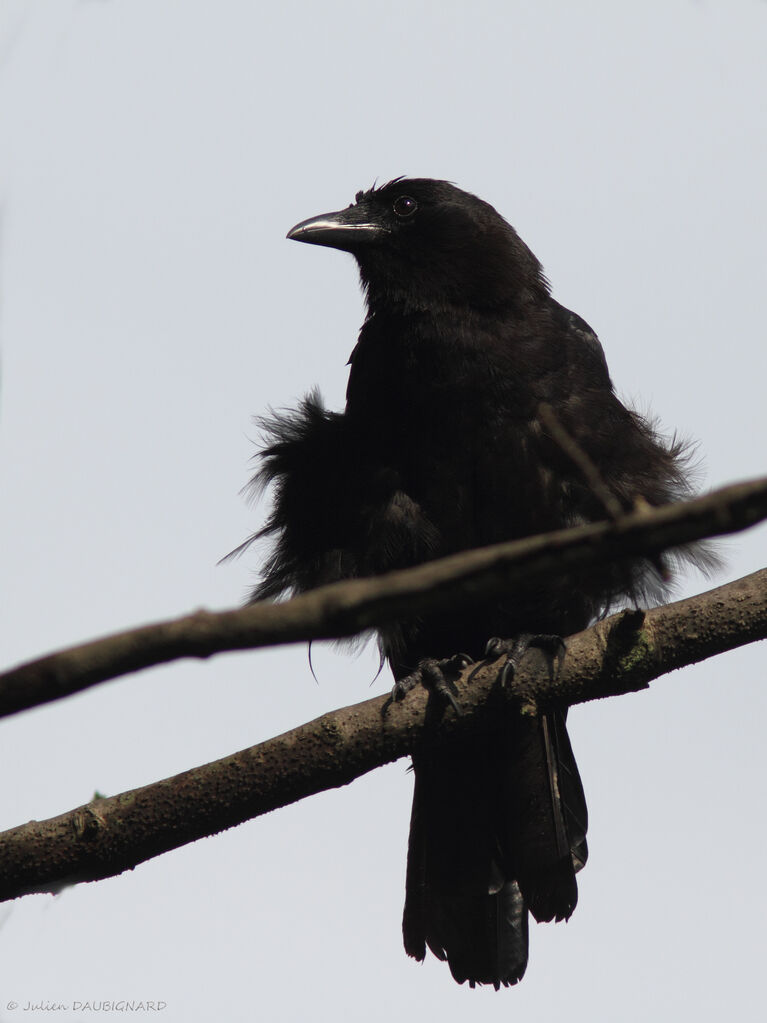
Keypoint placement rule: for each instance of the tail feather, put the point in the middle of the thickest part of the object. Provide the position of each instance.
(459, 903)
(483, 938)
(498, 828)
(572, 797)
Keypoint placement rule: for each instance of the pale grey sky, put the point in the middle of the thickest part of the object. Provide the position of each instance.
(153, 154)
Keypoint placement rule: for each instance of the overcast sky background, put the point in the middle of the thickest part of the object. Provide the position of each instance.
(153, 154)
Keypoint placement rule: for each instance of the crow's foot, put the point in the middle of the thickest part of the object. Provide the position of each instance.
(432, 674)
(515, 649)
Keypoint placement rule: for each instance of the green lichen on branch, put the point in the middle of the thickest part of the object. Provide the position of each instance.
(637, 659)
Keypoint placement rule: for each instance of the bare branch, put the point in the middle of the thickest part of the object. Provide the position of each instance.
(347, 608)
(622, 654)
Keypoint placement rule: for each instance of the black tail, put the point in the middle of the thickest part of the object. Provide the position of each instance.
(498, 828)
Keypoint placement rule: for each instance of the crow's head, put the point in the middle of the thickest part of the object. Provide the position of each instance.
(422, 243)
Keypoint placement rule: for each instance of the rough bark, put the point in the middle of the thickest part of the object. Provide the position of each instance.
(619, 655)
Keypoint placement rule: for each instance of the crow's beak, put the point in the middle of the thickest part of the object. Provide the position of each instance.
(346, 229)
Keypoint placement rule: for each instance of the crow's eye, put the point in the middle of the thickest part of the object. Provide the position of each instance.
(404, 206)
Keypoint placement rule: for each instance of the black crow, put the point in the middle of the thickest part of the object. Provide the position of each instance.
(465, 377)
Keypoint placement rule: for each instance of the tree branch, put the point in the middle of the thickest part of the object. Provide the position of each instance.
(619, 655)
(347, 608)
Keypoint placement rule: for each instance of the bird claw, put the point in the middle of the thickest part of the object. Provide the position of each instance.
(431, 674)
(516, 648)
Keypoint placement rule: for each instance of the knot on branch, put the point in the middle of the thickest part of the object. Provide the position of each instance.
(628, 647)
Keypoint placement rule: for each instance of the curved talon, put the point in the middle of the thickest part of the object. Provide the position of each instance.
(403, 686)
(496, 646)
(459, 661)
(435, 680)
